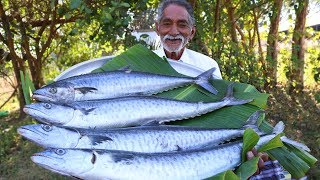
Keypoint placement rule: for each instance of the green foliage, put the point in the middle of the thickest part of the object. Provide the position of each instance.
(4, 114)
(250, 139)
(248, 168)
(273, 143)
(227, 175)
(27, 86)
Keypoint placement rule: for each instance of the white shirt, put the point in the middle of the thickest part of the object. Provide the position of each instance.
(196, 59)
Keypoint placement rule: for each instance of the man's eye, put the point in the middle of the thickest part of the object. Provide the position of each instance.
(183, 25)
(166, 23)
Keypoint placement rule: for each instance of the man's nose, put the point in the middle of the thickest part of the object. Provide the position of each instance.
(174, 30)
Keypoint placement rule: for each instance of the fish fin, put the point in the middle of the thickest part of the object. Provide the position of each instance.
(252, 121)
(86, 111)
(152, 123)
(232, 100)
(203, 81)
(278, 128)
(85, 90)
(95, 140)
(178, 148)
(121, 157)
(74, 177)
(125, 68)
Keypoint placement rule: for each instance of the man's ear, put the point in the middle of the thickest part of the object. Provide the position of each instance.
(157, 28)
(193, 32)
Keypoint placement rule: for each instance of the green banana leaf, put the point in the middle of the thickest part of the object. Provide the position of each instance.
(139, 58)
(227, 175)
(27, 87)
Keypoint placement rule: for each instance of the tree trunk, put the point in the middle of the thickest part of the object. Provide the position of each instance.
(233, 31)
(216, 32)
(17, 67)
(296, 83)
(17, 62)
(272, 43)
(256, 28)
(197, 43)
(232, 20)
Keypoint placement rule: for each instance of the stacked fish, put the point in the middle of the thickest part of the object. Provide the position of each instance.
(108, 126)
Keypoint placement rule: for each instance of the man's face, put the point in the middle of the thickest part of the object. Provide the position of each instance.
(174, 28)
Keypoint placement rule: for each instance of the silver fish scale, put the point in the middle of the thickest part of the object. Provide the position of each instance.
(185, 165)
(117, 84)
(132, 111)
(161, 141)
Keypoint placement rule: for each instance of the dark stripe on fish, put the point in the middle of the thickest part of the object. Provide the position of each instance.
(85, 90)
(86, 111)
(125, 158)
(95, 140)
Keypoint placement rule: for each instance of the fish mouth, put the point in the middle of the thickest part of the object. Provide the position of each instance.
(28, 134)
(40, 158)
(35, 113)
(42, 98)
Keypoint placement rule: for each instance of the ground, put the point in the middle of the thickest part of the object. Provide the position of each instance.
(300, 113)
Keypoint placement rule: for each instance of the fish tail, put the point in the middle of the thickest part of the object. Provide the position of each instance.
(231, 100)
(252, 121)
(295, 143)
(279, 127)
(203, 81)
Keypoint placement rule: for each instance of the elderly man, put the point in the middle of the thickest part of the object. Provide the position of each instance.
(176, 26)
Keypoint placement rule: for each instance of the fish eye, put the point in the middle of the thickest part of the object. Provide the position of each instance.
(47, 105)
(60, 151)
(47, 128)
(53, 90)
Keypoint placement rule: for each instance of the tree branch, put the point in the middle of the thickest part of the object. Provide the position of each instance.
(13, 93)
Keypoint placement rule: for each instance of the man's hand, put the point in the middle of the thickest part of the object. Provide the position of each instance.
(262, 158)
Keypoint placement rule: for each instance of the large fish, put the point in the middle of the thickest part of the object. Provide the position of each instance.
(138, 139)
(110, 164)
(124, 111)
(116, 84)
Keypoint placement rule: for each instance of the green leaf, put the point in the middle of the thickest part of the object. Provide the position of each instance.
(250, 139)
(74, 4)
(29, 83)
(61, 10)
(67, 15)
(108, 16)
(25, 88)
(4, 114)
(273, 143)
(291, 162)
(305, 156)
(227, 175)
(127, 5)
(248, 168)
